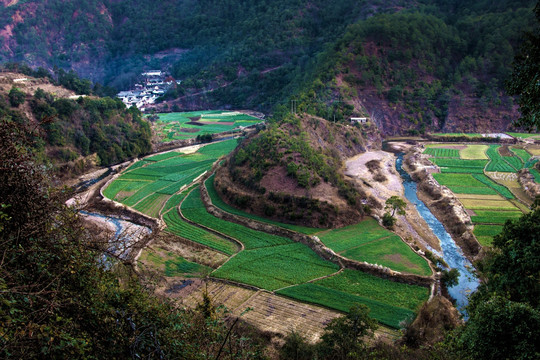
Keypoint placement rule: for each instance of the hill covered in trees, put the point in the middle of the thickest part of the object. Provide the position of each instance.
(420, 65)
(74, 132)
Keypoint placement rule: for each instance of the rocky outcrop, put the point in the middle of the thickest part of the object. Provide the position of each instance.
(526, 180)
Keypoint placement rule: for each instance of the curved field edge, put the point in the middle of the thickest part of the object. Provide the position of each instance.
(218, 202)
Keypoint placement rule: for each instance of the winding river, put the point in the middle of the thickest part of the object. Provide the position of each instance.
(451, 253)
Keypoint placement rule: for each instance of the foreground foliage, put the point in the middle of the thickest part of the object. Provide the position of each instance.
(57, 299)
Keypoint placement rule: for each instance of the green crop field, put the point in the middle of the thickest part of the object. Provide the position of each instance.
(172, 264)
(175, 126)
(442, 152)
(148, 188)
(522, 154)
(485, 233)
(385, 314)
(523, 135)
(493, 185)
(376, 288)
(176, 225)
(497, 163)
(217, 201)
(460, 165)
(368, 241)
(494, 217)
(275, 267)
(536, 175)
(194, 210)
(474, 152)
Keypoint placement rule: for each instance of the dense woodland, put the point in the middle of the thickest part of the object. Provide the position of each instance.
(77, 134)
(257, 54)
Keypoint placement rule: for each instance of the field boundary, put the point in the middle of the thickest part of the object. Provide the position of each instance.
(314, 243)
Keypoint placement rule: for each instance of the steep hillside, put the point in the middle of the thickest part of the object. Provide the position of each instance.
(292, 172)
(417, 72)
(73, 132)
(248, 51)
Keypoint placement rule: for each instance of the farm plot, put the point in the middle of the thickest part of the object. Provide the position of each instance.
(489, 202)
(276, 267)
(485, 233)
(149, 187)
(274, 263)
(172, 264)
(442, 152)
(474, 152)
(217, 201)
(368, 241)
(460, 165)
(177, 226)
(175, 126)
(193, 209)
(316, 294)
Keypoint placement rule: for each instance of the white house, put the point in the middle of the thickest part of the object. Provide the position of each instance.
(360, 120)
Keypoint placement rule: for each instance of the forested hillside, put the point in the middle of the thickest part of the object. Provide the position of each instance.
(439, 70)
(73, 133)
(422, 65)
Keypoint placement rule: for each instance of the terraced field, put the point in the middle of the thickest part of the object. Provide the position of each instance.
(177, 126)
(276, 263)
(490, 193)
(149, 187)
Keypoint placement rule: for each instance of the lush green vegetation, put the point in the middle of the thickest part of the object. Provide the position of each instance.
(442, 152)
(494, 217)
(172, 264)
(176, 225)
(194, 210)
(460, 165)
(58, 299)
(340, 300)
(72, 129)
(148, 188)
(174, 126)
(368, 241)
(275, 267)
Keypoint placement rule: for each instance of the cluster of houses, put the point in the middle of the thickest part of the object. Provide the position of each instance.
(153, 85)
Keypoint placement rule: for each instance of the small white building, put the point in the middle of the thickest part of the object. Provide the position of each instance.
(359, 120)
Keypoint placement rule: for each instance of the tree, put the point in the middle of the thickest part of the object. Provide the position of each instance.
(396, 204)
(501, 329)
(525, 80)
(344, 336)
(16, 97)
(504, 311)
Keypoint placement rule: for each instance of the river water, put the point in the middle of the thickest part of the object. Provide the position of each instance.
(451, 253)
(126, 233)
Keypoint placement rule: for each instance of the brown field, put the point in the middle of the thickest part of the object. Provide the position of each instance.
(268, 312)
(534, 150)
(480, 197)
(487, 204)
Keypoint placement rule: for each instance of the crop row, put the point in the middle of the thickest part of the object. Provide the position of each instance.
(151, 205)
(275, 267)
(492, 184)
(497, 162)
(522, 154)
(312, 293)
(194, 210)
(176, 225)
(442, 152)
(123, 185)
(494, 217)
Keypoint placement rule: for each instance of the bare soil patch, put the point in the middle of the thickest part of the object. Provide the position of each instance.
(189, 130)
